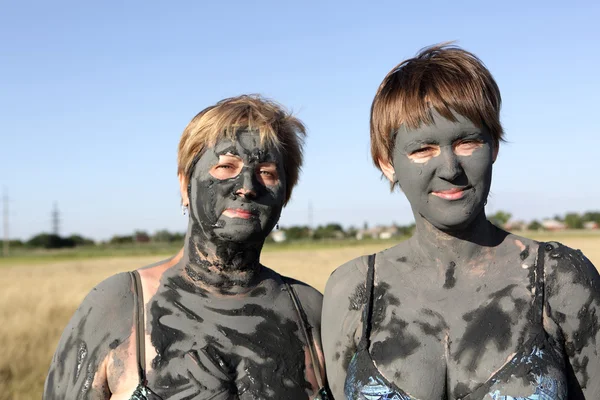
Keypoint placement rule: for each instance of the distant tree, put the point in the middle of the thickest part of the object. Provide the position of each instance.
(366, 226)
(50, 241)
(406, 230)
(500, 218)
(558, 218)
(162, 236)
(351, 232)
(81, 241)
(121, 240)
(573, 221)
(591, 216)
(297, 232)
(334, 227)
(535, 226)
(141, 237)
(177, 237)
(15, 243)
(329, 231)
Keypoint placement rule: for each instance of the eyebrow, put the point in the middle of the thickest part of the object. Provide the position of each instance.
(464, 134)
(231, 150)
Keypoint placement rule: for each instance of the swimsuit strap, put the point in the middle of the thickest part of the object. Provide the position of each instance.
(539, 283)
(307, 331)
(140, 347)
(368, 310)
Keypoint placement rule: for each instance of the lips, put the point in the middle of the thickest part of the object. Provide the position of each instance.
(451, 194)
(238, 213)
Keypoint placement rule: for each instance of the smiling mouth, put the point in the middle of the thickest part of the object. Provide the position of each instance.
(451, 194)
(238, 213)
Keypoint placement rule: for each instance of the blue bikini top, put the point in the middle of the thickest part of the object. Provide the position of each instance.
(543, 358)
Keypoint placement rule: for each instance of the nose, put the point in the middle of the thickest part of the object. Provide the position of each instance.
(246, 193)
(450, 168)
(248, 186)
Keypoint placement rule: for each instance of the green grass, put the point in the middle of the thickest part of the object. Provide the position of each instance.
(28, 256)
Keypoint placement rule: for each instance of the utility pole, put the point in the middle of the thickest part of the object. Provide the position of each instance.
(5, 247)
(55, 220)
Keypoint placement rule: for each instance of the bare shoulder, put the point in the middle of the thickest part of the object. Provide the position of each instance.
(107, 302)
(522, 243)
(569, 268)
(101, 323)
(346, 277)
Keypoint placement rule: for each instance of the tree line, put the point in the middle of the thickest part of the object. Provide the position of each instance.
(327, 231)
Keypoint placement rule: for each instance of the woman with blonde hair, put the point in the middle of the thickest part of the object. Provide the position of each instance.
(212, 322)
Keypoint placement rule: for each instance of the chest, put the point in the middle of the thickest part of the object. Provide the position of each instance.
(442, 343)
(206, 348)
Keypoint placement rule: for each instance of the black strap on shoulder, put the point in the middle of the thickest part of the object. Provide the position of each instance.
(307, 331)
(368, 310)
(540, 282)
(140, 347)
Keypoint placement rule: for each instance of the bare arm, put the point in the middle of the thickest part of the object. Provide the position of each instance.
(311, 302)
(102, 322)
(573, 301)
(341, 320)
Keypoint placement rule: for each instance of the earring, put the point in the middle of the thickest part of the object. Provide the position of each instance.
(183, 209)
(277, 226)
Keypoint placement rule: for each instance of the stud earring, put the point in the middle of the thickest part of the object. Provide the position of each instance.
(277, 226)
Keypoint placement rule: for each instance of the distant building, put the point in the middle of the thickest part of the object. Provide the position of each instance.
(553, 225)
(591, 225)
(515, 225)
(278, 236)
(378, 232)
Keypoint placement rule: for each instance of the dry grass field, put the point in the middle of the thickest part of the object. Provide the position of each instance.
(36, 301)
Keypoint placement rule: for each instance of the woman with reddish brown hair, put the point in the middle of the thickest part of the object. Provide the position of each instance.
(463, 309)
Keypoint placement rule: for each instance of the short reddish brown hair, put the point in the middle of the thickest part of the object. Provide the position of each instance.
(276, 126)
(442, 76)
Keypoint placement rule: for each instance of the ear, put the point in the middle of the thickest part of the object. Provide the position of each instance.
(388, 170)
(495, 152)
(183, 185)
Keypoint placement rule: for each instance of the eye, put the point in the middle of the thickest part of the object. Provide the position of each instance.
(422, 151)
(267, 174)
(468, 146)
(226, 169)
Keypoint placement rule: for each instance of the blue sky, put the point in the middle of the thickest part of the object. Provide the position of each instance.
(94, 97)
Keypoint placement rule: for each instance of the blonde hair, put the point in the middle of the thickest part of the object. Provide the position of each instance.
(276, 127)
(442, 76)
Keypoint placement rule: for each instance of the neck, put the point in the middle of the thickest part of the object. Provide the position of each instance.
(456, 246)
(218, 265)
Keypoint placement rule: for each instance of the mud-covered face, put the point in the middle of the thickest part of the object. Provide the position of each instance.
(237, 189)
(445, 170)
